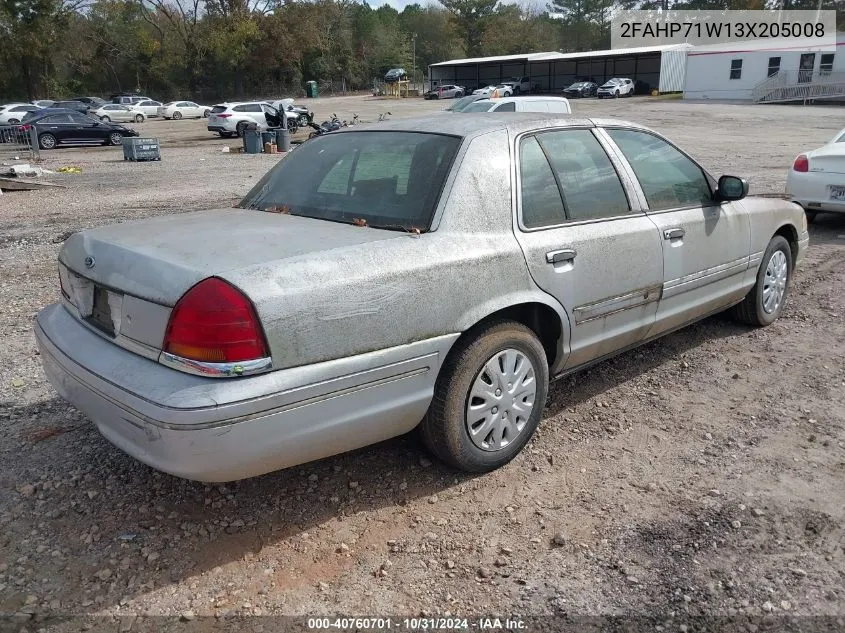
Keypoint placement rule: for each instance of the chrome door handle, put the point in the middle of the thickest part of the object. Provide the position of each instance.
(673, 234)
(564, 255)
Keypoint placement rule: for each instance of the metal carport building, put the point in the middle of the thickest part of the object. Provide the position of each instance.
(660, 67)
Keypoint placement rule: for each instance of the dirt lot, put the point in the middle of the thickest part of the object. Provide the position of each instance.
(701, 474)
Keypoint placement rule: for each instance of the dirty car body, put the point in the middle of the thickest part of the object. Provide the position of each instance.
(439, 269)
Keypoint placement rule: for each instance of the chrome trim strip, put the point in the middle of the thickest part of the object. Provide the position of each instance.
(703, 277)
(755, 259)
(216, 370)
(606, 307)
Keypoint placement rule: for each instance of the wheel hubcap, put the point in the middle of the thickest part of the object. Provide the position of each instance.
(501, 400)
(774, 284)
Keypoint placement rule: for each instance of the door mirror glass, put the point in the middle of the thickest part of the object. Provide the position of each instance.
(732, 188)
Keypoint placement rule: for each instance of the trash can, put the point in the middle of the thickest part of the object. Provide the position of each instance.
(283, 139)
(268, 137)
(252, 142)
(137, 149)
(311, 89)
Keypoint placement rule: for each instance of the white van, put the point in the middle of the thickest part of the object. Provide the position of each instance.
(521, 104)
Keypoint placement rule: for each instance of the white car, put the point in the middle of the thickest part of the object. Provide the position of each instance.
(616, 88)
(14, 112)
(521, 104)
(44, 103)
(183, 110)
(114, 112)
(500, 90)
(229, 119)
(519, 85)
(148, 107)
(816, 180)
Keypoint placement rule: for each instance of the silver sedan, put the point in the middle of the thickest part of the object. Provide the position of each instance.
(432, 273)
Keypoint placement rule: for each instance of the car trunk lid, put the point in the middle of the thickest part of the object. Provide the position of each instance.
(828, 159)
(158, 259)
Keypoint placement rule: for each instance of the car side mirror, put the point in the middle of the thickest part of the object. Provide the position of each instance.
(732, 188)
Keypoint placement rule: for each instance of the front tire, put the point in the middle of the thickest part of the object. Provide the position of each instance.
(206, 113)
(116, 138)
(177, 115)
(488, 398)
(105, 119)
(764, 303)
(616, 94)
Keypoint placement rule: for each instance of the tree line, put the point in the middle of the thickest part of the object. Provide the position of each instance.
(212, 49)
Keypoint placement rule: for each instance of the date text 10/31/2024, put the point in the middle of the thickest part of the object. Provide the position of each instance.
(417, 624)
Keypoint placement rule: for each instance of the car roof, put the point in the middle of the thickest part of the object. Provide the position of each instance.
(470, 124)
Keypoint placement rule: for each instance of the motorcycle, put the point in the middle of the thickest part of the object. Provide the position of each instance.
(333, 125)
(303, 116)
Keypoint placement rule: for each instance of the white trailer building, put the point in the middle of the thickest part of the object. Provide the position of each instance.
(652, 68)
(769, 71)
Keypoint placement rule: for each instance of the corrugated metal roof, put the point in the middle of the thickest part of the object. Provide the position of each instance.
(556, 56)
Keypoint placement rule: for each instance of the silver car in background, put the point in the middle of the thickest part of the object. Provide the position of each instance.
(432, 273)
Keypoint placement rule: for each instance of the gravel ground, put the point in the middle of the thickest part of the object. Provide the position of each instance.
(702, 474)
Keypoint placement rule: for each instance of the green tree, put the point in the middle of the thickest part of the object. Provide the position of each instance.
(471, 18)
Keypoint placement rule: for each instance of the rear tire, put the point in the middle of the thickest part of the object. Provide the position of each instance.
(764, 303)
(240, 128)
(139, 118)
(205, 113)
(177, 115)
(47, 141)
(479, 437)
(105, 119)
(225, 134)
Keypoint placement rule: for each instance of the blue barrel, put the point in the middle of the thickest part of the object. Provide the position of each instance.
(252, 142)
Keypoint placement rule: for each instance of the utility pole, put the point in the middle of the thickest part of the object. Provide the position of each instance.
(414, 70)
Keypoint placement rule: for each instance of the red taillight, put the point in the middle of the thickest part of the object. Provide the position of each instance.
(223, 116)
(25, 127)
(802, 163)
(215, 323)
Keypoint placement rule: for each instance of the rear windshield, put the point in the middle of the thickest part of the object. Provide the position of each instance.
(386, 179)
(214, 110)
(479, 106)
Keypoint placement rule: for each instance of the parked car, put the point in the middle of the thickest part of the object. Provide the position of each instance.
(493, 91)
(446, 91)
(302, 115)
(616, 88)
(229, 119)
(267, 336)
(115, 112)
(816, 179)
(395, 74)
(183, 109)
(459, 105)
(14, 112)
(581, 89)
(129, 99)
(92, 102)
(521, 104)
(149, 107)
(68, 127)
(78, 106)
(518, 85)
(44, 103)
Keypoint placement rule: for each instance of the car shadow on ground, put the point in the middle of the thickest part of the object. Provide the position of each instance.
(827, 228)
(149, 529)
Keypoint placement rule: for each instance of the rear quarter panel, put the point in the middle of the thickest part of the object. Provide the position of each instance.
(374, 296)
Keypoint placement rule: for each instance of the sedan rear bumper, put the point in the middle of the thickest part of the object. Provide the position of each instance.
(223, 430)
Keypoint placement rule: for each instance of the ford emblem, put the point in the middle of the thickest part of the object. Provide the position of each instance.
(89, 262)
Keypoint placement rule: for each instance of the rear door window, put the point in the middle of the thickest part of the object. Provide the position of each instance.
(506, 107)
